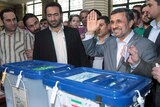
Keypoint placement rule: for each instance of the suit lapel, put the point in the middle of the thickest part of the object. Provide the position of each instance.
(158, 40)
(147, 32)
(52, 47)
(68, 40)
(113, 53)
(133, 41)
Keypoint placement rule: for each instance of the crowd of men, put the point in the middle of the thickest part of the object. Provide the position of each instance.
(128, 41)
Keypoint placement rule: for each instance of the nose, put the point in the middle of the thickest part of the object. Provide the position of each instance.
(114, 25)
(35, 27)
(52, 17)
(12, 22)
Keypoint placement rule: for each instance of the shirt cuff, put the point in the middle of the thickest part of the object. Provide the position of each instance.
(88, 36)
(133, 66)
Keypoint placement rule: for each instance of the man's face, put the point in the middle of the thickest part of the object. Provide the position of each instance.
(44, 24)
(153, 8)
(54, 17)
(146, 17)
(33, 25)
(120, 25)
(84, 18)
(10, 21)
(103, 29)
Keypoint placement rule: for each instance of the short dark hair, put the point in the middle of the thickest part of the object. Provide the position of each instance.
(43, 19)
(105, 18)
(5, 11)
(84, 11)
(97, 11)
(27, 16)
(137, 13)
(128, 13)
(53, 4)
(140, 6)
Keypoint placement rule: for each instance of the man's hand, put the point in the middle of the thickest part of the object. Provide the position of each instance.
(29, 54)
(92, 23)
(133, 55)
(156, 73)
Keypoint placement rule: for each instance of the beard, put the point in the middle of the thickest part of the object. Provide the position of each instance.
(147, 22)
(37, 30)
(55, 23)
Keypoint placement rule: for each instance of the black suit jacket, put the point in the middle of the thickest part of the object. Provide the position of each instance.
(44, 47)
(146, 34)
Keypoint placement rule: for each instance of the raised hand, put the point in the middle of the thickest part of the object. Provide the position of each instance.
(92, 22)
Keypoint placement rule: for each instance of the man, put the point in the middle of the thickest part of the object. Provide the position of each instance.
(101, 35)
(116, 56)
(156, 76)
(32, 23)
(137, 19)
(43, 23)
(146, 17)
(15, 43)
(59, 43)
(83, 16)
(139, 8)
(153, 33)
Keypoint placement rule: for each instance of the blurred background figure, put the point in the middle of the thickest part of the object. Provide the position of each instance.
(65, 23)
(83, 16)
(21, 25)
(139, 30)
(74, 21)
(146, 17)
(1, 25)
(43, 23)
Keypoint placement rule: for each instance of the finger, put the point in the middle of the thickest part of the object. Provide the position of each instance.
(88, 17)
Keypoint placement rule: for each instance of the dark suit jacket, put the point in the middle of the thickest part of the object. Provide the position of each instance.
(146, 35)
(153, 98)
(44, 47)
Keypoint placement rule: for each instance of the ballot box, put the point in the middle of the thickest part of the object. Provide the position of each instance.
(87, 87)
(23, 82)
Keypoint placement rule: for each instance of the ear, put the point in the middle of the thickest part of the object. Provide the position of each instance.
(131, 23)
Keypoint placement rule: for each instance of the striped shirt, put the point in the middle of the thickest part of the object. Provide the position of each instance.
(15, 47)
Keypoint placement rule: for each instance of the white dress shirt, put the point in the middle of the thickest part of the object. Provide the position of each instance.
(121, 44)
(60, 45)
(154, 31)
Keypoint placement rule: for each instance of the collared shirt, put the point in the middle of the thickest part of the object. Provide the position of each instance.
(121, 44)
(15, 47)
(98, 61)
(60, 45)
(154, 31)
(139, 30)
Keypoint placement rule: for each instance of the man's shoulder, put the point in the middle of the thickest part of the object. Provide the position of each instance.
(43, 32)
(143, 40)
(69, 29)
